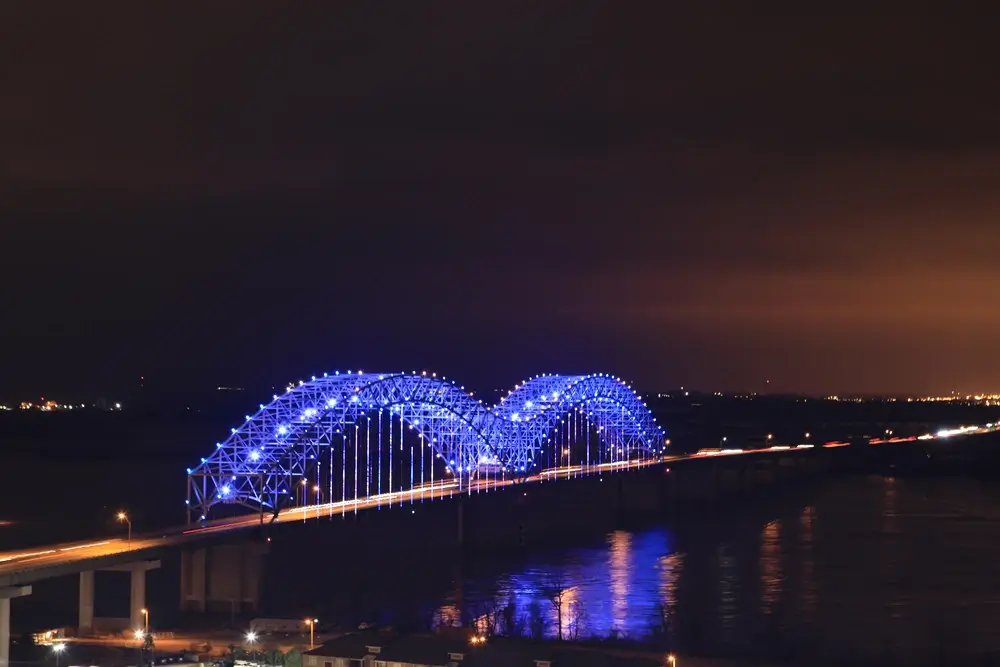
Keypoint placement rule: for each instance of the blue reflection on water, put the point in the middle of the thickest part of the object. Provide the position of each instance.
(625, 587)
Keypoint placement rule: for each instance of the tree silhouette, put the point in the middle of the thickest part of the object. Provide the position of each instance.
(555, 589)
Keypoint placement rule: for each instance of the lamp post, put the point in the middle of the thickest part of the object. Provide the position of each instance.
(145, 615)
(57, 649)
(122, 516)
(251, 640)
(672, 660)
(311, 622)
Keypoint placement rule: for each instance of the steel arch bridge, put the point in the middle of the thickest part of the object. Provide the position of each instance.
(578, 423)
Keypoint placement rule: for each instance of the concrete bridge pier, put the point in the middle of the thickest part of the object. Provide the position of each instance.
(225, 578)
(137, 595)
(6, 595)
(86, 620)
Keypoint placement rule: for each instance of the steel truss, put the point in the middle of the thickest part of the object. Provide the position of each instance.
(261, 461)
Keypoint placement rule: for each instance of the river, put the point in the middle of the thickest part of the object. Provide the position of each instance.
(867, 567)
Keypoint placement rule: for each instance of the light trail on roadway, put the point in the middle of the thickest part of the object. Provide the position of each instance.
(61, 554)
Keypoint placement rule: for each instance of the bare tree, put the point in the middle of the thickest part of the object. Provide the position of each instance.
(555, 589)
(659, 626)
(490, 616)
(578, 621)
(536, 621)
(514, 624)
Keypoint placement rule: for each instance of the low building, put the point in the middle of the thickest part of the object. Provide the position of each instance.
(374, 649)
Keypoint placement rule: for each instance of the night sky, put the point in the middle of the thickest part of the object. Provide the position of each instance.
(715, 195)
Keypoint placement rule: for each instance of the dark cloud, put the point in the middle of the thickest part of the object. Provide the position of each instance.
(701, 194)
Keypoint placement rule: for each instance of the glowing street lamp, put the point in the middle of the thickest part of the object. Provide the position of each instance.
(311, 622)
(251, 640)
(145, 614)
(122, 516)
(57, 649)
(672, 660)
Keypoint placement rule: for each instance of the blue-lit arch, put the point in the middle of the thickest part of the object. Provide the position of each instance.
(263, 458)
(534, 408)
(255, 464)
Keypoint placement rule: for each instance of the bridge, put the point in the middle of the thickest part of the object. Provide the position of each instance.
(359, 442)
(355, 441)
(361, 436)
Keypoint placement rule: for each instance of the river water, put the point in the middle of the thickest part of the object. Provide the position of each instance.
(857, 568)
(873, 568)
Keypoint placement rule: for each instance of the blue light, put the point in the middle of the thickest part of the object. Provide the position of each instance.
(456, 426)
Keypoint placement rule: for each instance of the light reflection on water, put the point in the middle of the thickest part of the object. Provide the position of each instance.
(618, 588)
(862, 568)
(621, 568)
(807, 588)
(771, 576)
(727, 590)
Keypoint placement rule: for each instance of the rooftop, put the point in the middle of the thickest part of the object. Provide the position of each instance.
(441, 651)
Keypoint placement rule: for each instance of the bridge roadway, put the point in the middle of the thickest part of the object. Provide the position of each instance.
(22, 567)
(19, 568)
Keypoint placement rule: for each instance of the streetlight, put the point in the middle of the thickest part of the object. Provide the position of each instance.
(311, 622)
(122, 516)
(57, 649)
(672, 660)
(145, 614)
(251, 639)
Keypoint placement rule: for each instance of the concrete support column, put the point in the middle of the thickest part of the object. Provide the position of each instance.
(86, 622)
(6, 594)
(137, 598)
(193, 578)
